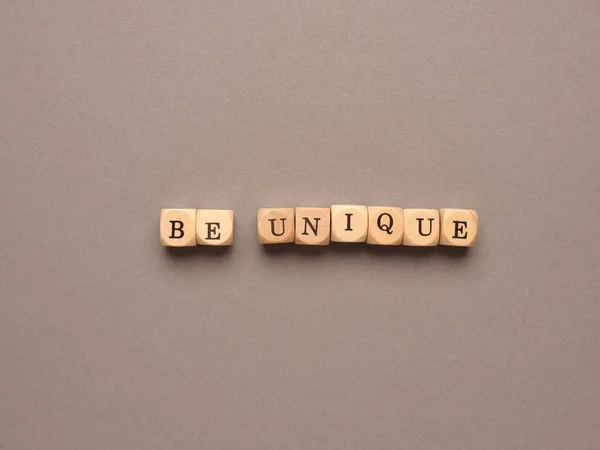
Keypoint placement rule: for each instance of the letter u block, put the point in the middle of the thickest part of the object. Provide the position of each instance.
(460, 227)
(313, 226)
(421, 227)
(178, 227)
(275, 225)
(214, 227)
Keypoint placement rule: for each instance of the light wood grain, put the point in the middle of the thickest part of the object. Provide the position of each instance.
(313, 226)
(459, 227)
(349, 223)
(178, 227)
(275, 225)
(214, 227)
(421, 227)
(386, 225)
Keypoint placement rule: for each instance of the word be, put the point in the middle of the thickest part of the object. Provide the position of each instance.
(379, 225)
(188, 227)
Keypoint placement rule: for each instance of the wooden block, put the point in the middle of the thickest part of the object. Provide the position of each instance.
(386, 225)
(421, 227)
(313, 226)
(214, 227)
(349, 223)
(275, 225)
(178, 227)
(459, 227)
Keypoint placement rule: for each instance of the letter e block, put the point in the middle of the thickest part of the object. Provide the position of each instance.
(178, 227)
(313, 226)
(460, 227)
(421, 227)
(275, 225)
(214, 227)
(349, 223)
(386, 225)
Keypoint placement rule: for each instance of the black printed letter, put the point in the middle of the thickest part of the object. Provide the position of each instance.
(211, 231)
(307, 222)
(273, 227)
(174, 228)
(459, 227)
(421, 227)
(385, 227)
(348, 218)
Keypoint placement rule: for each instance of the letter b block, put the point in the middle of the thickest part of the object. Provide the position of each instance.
(349, 223)
(178, 227)
(313, 226)
(460, 227)
(275, 225)
(214, 227)
(421, 227)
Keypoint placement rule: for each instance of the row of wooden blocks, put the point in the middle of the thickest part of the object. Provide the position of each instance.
(380, 225)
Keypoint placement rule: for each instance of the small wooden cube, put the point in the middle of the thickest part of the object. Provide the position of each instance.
(349, 223)
(313, 226)
(459, 227)
(214, 227)
(421, 227)
(386, 225)
(178, 227)
(275, 225)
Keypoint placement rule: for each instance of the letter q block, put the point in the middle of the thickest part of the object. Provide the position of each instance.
(386, 225)
(214, 227)
(178, 227)
(460, 227)
(275, 225)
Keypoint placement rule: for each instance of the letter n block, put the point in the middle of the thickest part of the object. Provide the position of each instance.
(421, 227)
(460, 227)
(349, 223)
(275, 225)
(313, 226)
(214, 227)
(386, 225)
(178, 227)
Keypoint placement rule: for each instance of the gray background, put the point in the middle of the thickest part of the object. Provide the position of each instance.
(112, 110)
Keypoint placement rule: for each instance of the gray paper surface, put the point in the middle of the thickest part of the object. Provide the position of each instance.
(112, 110)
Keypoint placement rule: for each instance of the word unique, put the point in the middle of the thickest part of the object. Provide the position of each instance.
(378, 225)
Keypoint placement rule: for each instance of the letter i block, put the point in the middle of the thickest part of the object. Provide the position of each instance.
(460, 227)
(214, 227)
(421, 227)
(349, 223)
(386, 225)
(275, 225)
(313, 226)
(178, 227)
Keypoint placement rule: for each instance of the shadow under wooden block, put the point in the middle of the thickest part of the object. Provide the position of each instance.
(198, 253)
